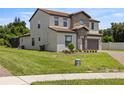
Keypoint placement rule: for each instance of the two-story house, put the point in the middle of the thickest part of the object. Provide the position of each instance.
(53, 31)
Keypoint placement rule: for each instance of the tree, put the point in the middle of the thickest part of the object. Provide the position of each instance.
(16, 20)
(107, 39)
(107, 35)
(118, 32)
(115, 33)
(14, 29)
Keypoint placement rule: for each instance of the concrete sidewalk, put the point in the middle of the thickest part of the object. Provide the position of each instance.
(27, 80)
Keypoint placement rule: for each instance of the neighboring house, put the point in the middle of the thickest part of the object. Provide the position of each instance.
(53, 31)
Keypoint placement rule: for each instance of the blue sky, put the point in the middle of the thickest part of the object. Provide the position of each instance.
(104, 15)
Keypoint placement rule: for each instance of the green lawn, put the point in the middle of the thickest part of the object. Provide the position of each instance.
(28, 62)
(83, 82)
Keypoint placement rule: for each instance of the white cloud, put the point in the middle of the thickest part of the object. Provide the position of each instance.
(118, 14)
(25, 17)
(27, 13)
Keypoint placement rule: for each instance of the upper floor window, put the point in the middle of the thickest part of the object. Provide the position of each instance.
(92, 26)
(81, 21)
(65, 22)
(56, 21)
(68, 39)
(38, 26)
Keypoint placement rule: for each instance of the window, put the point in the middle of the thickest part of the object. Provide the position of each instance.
(92, 26)
(33, 42)
(81, 21)
(68, 39)
(39, 38)
(56, 21)
(65, 22)
(38, 26)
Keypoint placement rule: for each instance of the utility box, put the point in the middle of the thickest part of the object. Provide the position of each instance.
(77, 62)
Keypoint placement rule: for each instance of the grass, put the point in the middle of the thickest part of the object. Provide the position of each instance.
(83, 82)
(28, 62)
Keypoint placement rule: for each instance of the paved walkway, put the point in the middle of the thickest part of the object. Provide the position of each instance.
(117, 55)
(4, 72)
(27, 80)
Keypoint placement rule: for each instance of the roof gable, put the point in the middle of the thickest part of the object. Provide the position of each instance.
(50, 12)
(81, 12)
(55, 12)
(33, 15)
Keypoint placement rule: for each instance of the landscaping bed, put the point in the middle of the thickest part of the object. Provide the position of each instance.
(29, 62)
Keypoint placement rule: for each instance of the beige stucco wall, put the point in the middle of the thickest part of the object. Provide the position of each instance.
(52, 40)
(60, 21)
(26, 42)
(96, 28)
(48, 37)
(61, 40)
(43, 19)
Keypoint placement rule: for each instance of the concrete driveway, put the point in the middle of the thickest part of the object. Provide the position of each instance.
(118, 55)
(4, 72)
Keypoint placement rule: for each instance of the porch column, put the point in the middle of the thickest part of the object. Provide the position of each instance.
(85, 40)
(79, 43)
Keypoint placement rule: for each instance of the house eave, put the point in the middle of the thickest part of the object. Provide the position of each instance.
(99, 35)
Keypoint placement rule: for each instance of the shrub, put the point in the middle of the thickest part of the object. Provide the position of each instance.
(71, 47)
(85, 51)
(76, 50)
(95, 51)
(79, 50)
(90, 51)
